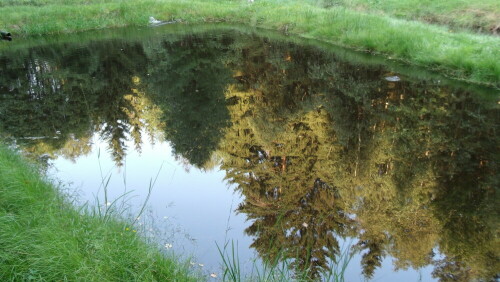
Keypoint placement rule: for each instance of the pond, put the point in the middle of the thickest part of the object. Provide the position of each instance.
(285, 148)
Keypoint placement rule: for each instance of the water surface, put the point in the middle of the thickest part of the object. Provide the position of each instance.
(289, 148)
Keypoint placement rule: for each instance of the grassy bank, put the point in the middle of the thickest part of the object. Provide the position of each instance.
(478, 16)
(383, 29)
(42, 237)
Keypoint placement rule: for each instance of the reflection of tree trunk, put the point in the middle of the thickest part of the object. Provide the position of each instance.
(283, 163)
(358, 153)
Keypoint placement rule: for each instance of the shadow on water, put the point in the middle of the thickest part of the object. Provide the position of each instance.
(320, 146)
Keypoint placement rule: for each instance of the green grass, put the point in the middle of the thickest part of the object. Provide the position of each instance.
(395, 29)
(280, 269)
(44, 238)
(481, 16)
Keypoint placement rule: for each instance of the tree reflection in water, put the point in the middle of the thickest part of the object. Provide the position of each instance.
(319, 147)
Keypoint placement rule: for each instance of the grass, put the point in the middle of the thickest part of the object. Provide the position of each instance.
(44, 238)
(399, 30)
(480, 16)
(279, 269)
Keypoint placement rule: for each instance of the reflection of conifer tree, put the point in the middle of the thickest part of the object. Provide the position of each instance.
(275, 155)
(389, 145)
(451, 269)
(189, 79)
(143, 114)
(456, 163)
(64, 92)
(428, 152)
(374, 255)
(40, 107)
(117, 66)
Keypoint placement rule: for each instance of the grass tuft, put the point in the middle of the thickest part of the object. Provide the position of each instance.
(43, 237)
(280, 268)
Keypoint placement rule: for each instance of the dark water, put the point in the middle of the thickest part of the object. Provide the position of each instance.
(324, 149)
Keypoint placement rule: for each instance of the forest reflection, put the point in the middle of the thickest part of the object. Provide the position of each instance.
(321, 148)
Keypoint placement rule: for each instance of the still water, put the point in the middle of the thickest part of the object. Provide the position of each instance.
(288, 148)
